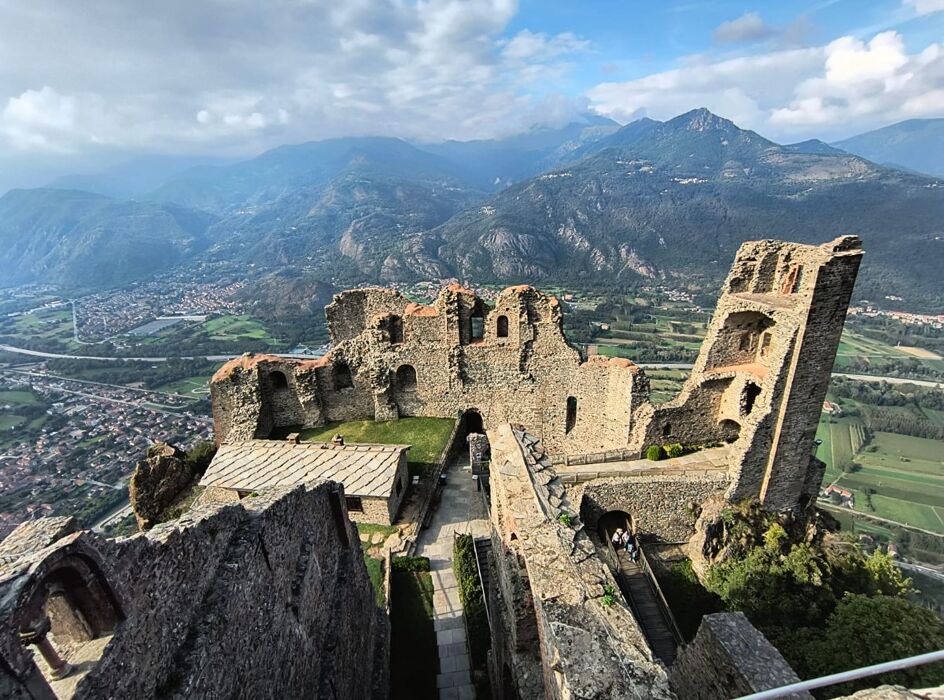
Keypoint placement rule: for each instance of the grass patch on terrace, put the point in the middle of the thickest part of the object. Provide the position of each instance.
(428, 437)
(414, 657)
(376, 574)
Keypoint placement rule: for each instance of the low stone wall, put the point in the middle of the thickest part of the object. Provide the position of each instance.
(729, 658)
(663, 508)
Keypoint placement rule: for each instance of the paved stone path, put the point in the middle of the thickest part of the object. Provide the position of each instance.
(460, 510)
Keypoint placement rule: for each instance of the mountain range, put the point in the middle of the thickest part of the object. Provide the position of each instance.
(591, 201)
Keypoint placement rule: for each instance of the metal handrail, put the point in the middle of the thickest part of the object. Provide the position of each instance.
(478, 568)
(855, 674)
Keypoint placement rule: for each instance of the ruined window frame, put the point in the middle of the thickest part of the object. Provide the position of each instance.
(354, 504)
(570, 418)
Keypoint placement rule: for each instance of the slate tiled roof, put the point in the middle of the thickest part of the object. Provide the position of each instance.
(365, 470)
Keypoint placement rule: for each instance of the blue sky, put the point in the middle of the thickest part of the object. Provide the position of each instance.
(643, 37)
(86, 84)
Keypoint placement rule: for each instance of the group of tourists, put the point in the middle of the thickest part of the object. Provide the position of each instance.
(622, 538)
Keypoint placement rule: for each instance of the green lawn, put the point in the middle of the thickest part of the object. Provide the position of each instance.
(428, 436)
(375, 571)
(25, 398)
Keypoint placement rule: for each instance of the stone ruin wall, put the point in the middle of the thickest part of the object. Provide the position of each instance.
(557, 638)
(759, 380)
(773, 336)
(663, 508)
(528, 374)
(730, 658)
(265, 598)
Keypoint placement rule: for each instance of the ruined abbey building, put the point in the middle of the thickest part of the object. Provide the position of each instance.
(757, 385)
(260, 590)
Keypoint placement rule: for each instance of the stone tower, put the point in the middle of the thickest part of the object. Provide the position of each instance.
(764, 368)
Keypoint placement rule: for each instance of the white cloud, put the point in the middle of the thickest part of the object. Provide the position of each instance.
(239, 75)
(925, 7)
(747, 27)
(798, 93)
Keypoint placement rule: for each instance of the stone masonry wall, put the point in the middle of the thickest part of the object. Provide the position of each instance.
(521, 368)
(762, 372)
(663, 508)
(553, 585)
(758, 382)
(729, 658)
(266, 598)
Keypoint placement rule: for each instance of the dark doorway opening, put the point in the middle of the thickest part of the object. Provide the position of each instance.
(471, 422)
(610, 521)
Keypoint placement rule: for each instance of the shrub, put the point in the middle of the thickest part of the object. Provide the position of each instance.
(472, 597)
(609, 595)
(201, 455)
(411, 564)
(674, 450)
(565, 519)
(861, 631)
(654, 453)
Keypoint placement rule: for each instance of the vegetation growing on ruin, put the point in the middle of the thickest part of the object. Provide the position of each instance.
(812, 593)
(473, 601)
(687, 597)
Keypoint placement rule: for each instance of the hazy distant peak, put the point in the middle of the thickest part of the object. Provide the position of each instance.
(814, 146)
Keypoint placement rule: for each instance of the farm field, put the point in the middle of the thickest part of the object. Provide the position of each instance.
(894, 477)
(197, 387)
(236, 328)
(13, 398)
(855, 349)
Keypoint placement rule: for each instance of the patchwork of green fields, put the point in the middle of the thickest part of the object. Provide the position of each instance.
(856, 349)
(895, 477)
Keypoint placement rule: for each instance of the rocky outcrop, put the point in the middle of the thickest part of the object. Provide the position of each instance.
(268, 597)
(157, 481)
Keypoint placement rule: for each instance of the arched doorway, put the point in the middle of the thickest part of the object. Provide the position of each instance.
(471, 422)
(611, 520)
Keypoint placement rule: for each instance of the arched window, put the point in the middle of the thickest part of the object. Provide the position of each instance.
(342, 376)
(730, 430)
(71, 604)
(571, 420)
(406, 378)
(395, 329)
(748, 397)
(501, 327)
(278, 380)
